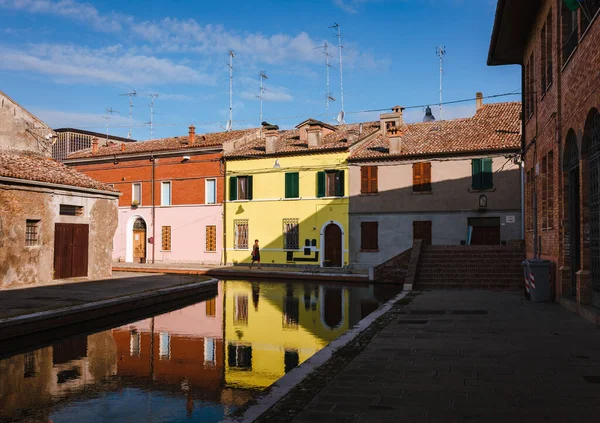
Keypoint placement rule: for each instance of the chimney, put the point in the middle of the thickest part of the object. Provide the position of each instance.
(123, 147)
(395, 137)
(479, 100)
(352, 136)
(271, 137)
(192, 135)
(94, 145)
(315, 136)
(392, 120)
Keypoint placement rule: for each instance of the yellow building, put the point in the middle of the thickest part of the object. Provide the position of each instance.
(289, 190)
(272, 328)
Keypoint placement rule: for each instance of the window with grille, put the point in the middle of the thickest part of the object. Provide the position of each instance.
(422, 177)
(291, 312)
(240, 228)
(69, 210)
(240, 309)
(211, 238)
(483, 177)
(211, 307)
(368, 179)
(291, 234)
(32, 232)
(330, 183)
(369, 236)
(166, 238)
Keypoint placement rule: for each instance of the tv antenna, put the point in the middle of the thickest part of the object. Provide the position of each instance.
(152, 98)
(130, 95)
(109, 111)
(229, 125)
(328, 96)
(262, 75)
(441, 52)
(336, 26)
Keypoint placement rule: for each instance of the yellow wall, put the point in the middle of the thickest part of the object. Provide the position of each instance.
(264, 330)
(266, 211)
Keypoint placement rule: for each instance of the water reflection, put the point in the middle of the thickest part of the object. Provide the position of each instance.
(198, 363)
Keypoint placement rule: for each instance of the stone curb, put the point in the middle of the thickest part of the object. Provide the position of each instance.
(284, 385)
(12, 327)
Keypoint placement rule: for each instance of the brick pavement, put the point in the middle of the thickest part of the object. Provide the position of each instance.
(470, 356)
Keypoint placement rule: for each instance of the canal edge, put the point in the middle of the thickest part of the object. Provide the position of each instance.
(12, 327)
(285, 384)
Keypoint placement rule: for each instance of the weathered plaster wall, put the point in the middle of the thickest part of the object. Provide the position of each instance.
(26, 265)
(20, 130)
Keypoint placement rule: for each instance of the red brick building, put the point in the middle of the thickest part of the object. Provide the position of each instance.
(559, 52)
(171, 208)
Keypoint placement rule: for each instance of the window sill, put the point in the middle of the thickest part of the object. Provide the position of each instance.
(477, 191)
(422, 193)
(330, 197)
(210, 252)
(165, 251)
(369, 194)
(241, 249)
(33, 247)
(291, 198)
(239, 201)
(369, 251)
(210, 204)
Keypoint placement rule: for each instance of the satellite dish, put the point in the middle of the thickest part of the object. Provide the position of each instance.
(228, 126)
(340, 117)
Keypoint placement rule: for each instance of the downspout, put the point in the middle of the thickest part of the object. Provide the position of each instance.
(523, 143)
(522, 169)
(223, 170)
(153, 160)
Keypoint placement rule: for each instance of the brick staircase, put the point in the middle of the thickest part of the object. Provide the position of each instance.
(496, 267)
(393, 270)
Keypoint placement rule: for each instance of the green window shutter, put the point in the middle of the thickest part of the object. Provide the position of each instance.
(320, 184)
(296, 185)
(249, 187)
(476, 170)
(487, 174)
(339, 189)
(288, 185)
(232, 188)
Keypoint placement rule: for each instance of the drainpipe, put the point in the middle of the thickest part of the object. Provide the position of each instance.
(522, 169)
(153, 208)
(535, 230)
(224, 173)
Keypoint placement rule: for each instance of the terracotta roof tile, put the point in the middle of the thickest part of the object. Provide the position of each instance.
(213, 139)
(495, 126)
(32, 167)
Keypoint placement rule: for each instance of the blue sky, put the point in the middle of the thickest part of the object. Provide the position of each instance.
(68, 60)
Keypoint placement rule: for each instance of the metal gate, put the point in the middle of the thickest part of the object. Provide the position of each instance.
(70, 250)
(571, 162)
(594, 163)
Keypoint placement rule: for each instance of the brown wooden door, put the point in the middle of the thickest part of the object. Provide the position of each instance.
(422, 230)
(485, 235)
(139, 246)
(71, 243)
(333, 246)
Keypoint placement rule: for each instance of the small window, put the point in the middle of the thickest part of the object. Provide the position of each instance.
(369, 236)
(32, 232)
(389, 125)
(211, 238)
(136, 194)
(291, 234)
(211, 307)
(330, 183)
(166, 238)
(164, 346)
(240, 309)
(69, 210)
(292, 185)
(422, 177)
(239, 356)
(165, 194)
(483, 177)
(29, 367)
(240, 228)
(210, 348)
(211, 191)
(368, 179)
(240, 188)
(135, 343)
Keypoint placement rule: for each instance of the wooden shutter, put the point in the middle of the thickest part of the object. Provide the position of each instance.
(369, 236)
(373, 179)
(487, 176)
(291, 185)
(422, 230)
(476, 173)
(426, 176)
(211, 307)
(339, 186)
(288, 185)
(249, 188)
(320, 184)
(232, 188)
(364, 179)
(417, 177)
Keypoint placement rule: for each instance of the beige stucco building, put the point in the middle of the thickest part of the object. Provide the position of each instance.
(448, 183)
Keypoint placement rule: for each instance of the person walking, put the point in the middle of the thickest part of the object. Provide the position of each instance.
(255, 254)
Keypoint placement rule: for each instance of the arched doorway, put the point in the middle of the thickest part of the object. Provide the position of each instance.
(592, 142)
(139, 241)
(571, 168)
(333, 311)
(333, 255)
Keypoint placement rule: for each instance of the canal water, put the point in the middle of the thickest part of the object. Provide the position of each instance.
(198, 363)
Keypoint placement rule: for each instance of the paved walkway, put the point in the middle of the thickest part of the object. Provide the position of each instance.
(27, 300)
(470, 356)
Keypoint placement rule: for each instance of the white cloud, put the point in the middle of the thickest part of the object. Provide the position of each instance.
(110, 64)
(349, 6)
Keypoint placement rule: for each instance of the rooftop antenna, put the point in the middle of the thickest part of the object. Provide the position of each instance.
(109, 111)
(230, 121)
(335, 25)
(328, 96)
(262, 76)
(441, 52)
(152, 98)
(130, 95)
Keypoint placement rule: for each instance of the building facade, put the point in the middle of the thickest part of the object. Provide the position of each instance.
(171, 208)
(55, 222)
(289, 190)
(447, 183)
(556, 44)
(70, 140)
